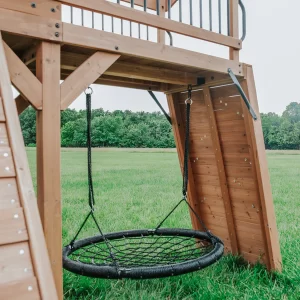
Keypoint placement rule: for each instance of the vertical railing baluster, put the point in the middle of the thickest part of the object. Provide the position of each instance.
(201, 13)
(82, 17)
(158, 7)
(130, 24)
(102, 21)
(220, 17)
(112, 24)
(72, 21)
(147, 27)
(93, 20)
(228, 17)
(191, 12)
(210, 15)
(180, 10)
(119, 2)
(169, 9)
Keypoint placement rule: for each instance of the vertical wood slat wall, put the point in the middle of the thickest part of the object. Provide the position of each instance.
(25, 271)
(250, 207)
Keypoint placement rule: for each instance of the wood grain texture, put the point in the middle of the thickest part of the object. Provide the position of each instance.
(23, 79)
(9, 193)
(7, 168)
(15, 262)
(12, 226)
(217, 150)
(48, 155)
(26, 289)
(106, 41)
(25, 187)
(260, 166)
(43, 7)
(84, 76)
(29, 25)
(3, 135)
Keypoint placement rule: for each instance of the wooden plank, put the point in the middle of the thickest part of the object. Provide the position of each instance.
(254, 131)
(23, 79)
(240, 182)
(3, 136)
(106, 41)
(221, 170)
(15, 262)
(12, 226)
(141, 17)
(70, 61)
(29, 25)
(45, 8)
(205, 169)
(26, 289)
(9, 193)
(2, 117)
(21, 104)
(84, 76)
(179, 134)
(48, 155)
(7, 168)
(25, 186)
(161, 34)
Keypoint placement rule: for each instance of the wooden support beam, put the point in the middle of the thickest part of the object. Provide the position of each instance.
(84, 76)
(25, 186)
(179, 135)
(23, 79)
(70, 61)
(106, 41)
(44, 28)
(260, 167)
(161, 34)
(126, 13)
(234, 27)
(221, 171)
(48, 155)
(45, 8)
(30, 25)
(21, 104)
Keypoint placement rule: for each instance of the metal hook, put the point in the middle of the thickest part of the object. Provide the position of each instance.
(89, 91)
(189, 99)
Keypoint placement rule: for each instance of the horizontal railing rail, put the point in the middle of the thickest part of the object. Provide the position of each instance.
(208, 20)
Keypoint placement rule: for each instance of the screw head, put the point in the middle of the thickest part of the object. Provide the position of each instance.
(53, 9)
(33, 5)
(57, 25)
(116, 47)
(57, 34)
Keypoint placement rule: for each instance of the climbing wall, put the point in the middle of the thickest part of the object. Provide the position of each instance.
(25, 271)
(229, 180)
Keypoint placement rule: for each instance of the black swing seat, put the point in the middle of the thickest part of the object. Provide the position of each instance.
(143, 254)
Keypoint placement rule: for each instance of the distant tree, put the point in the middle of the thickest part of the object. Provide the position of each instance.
(292, 112)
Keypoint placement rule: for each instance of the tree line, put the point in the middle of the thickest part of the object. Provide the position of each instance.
(151, 130)
(109, 129)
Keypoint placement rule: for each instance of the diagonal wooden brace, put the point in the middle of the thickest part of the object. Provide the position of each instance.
(86, 74)
(23, 79)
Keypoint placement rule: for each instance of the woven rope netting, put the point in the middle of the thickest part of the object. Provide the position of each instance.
(147, 251)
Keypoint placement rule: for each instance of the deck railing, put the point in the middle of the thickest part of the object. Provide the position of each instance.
(210, 20)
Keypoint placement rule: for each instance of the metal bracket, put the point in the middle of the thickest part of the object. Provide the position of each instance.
(242, 93)
(200, 81)
(160, 106)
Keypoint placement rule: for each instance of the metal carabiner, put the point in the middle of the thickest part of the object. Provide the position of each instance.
(89, 91)
(189, 99)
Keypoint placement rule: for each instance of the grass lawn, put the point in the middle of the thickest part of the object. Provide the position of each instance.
(135, 189)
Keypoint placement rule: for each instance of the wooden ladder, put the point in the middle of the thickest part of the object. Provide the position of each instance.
(25, 271)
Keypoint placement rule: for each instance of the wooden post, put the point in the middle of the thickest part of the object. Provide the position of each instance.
(234, 27)
(48, 155)
(161, 34)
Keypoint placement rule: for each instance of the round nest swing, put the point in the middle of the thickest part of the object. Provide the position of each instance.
(146, 253)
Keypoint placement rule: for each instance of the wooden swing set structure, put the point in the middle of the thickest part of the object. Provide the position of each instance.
(229, 183)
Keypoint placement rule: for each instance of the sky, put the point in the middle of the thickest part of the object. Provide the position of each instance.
(272, 46)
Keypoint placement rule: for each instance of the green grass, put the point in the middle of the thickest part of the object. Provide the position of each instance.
(135, 189)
